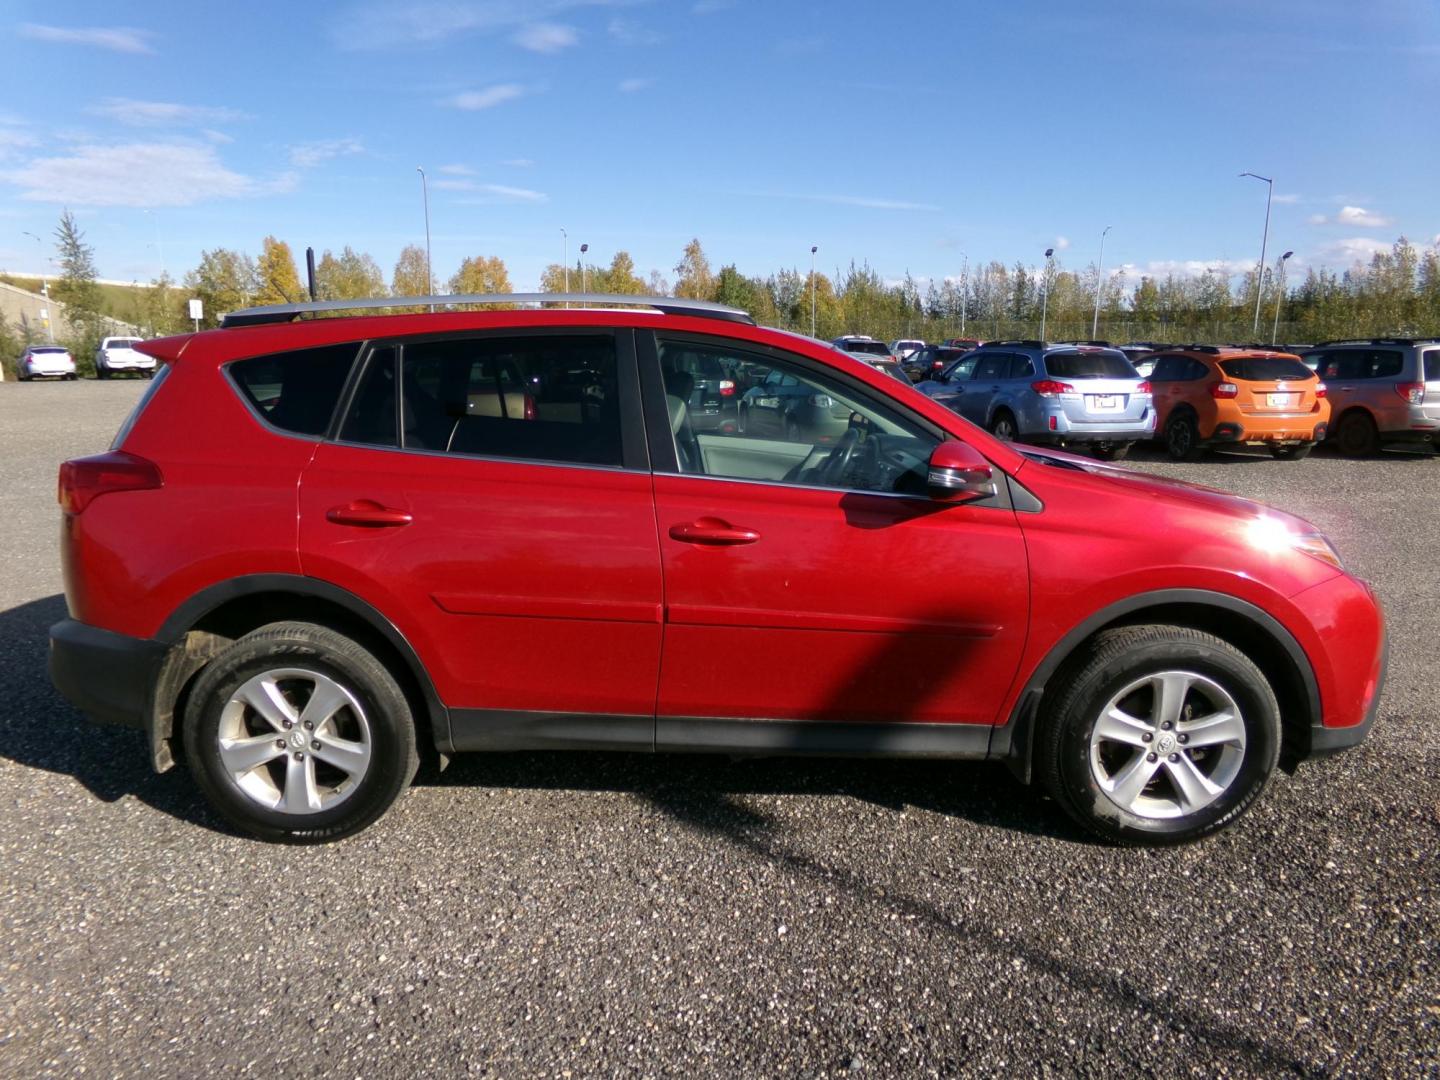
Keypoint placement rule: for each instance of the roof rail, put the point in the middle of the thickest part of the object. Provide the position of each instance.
(669, 305)
(1101, 344)
(1025, 342)
(1377, 341)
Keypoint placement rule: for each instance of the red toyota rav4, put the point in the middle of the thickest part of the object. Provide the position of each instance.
(320, 542)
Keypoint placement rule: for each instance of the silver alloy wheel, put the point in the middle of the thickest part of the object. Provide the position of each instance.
(295, 741)
(1168, 744)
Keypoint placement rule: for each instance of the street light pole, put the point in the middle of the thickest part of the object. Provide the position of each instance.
(1279, 297)
(1045, 293)
(964, 289)
(813, 248)
(1099, 285)
(44, 284)
(1264, 240)
(584, 270)
(429, 271)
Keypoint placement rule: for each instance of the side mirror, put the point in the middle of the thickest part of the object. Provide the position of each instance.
(959, 474)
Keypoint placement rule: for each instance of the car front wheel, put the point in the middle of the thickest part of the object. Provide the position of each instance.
(297, 733)
(1159, 735)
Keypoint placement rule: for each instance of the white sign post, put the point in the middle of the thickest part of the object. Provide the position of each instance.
(197, 310)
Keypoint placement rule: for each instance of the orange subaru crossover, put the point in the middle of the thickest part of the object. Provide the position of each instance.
(1207, 395)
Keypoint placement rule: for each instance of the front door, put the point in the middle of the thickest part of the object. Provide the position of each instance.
(811, 580)
(484, 494)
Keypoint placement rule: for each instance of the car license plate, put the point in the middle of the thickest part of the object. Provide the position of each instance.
(1105, 402)
(1280, 401)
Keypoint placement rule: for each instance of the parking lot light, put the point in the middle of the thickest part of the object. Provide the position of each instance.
(1264, 240)
(1099, 285)
(1280, 296)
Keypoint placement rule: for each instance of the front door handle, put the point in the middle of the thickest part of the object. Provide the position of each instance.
(712, 531)
(367, 513)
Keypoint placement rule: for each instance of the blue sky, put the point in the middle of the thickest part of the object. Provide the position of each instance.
(908, 134)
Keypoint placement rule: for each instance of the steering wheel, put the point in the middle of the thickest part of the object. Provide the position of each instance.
(832, 470)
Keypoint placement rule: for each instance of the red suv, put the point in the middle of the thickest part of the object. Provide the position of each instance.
(319, 543)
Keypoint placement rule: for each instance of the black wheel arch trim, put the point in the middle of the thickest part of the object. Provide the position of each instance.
(193, 611)
(1013, 740)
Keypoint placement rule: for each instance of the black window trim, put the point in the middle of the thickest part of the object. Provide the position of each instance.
(633, 454)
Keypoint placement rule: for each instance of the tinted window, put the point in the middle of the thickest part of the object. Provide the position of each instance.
(1265, 368)
(123, 342)
(1089, 365)
(1432, 366)
(1021, 367)
(791, 425)
(296, 391)
(1386, 364)
(1194, 369)
(1167, 369)
(960, 368)
(539, 398)
(372, 415)
(47, 349)
(992, 366)
(1362, 364)
(879, 348)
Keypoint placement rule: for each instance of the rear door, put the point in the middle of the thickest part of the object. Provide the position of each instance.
(490, 494)
(991, 370)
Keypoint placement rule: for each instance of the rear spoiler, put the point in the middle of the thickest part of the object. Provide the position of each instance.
(165, 349)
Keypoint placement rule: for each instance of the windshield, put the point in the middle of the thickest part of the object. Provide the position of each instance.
(123, 343)
(879, 348)
(1265, 369)
(1090, 365)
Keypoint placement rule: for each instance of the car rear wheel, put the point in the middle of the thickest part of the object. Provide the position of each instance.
(102, 372)
(1113, 451)
(1357, 436)
(1003, 426)
(1158, 735)
(1182, 437)
(297, 733)
(1297, 452)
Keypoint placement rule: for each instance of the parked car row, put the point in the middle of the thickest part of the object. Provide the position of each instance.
(113, 356)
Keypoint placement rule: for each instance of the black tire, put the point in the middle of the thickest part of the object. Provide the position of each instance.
(1113, 451)
(1115, 659)
(321, 652)
(101, 372)
(1298, 452)
(1356, 435)
(1182, 437)
(1003, 426)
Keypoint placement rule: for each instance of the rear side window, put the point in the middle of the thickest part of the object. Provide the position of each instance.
(1432, 366)
(1090, 365)
(993, 366)
(296, 391)
(1264, 369)
(1021, 367)
(541, 397)
(1363, 364)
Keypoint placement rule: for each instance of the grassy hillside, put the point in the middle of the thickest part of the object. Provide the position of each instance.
(123, 302)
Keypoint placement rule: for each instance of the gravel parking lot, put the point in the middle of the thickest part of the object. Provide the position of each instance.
(565, 915)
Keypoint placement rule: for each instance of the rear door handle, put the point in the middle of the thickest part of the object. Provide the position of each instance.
(367, 513)
(712, 531)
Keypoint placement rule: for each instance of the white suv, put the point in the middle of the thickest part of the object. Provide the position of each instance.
(117, 354)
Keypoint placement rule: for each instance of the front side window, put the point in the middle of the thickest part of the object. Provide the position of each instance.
(296, 391)
(789, 424)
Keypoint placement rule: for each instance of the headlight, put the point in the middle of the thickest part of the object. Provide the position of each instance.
(1274, 536)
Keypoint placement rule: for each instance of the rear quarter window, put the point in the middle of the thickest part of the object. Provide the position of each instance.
(296, 391)
(1432, 366)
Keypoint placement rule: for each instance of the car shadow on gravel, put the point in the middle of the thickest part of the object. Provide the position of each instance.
(40, 730)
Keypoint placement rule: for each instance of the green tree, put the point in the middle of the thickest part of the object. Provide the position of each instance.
(412, 273)
(78, 290)
(348, 276)
(162, 308)
(693, 278)
(277, 281)
(224, 281)
(620, 276)
(11, 346)
(481, 274)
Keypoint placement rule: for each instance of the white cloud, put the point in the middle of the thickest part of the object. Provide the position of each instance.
(518, 162)
(456, 170)
(163, 113)
(308, 155)
(1351, 250)
(12, 140)
(1354, 217)
(1061, 243)
(546, 37)
(123, 39)
(384, 24)
(474, 100)
(627, 32)
(1196, 267)
(1316, 219)
(137, 174)
(634, 86)
(1288, 198)
(492, 193)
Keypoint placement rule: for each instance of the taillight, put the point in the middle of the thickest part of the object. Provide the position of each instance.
(1224, 390)
(1143, 388)
(1321, 390)
(1413, 392)
(84, 480)
(529, 407)
(1051, 388)
(727, 388)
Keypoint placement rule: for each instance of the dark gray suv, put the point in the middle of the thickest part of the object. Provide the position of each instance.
(1381, 390)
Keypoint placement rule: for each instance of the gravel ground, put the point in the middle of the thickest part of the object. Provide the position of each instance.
(566, 915)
